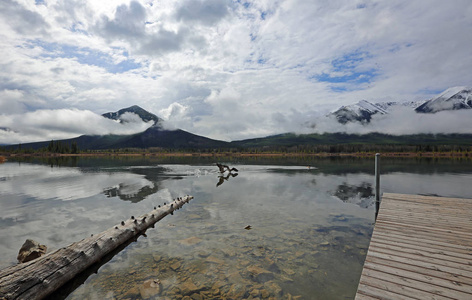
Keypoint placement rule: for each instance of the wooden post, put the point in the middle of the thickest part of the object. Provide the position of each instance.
(40, 277)
(377, 184)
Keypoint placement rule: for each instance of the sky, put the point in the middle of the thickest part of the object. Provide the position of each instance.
(226, 69)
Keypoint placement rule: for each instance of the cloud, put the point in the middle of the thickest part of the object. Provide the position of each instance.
(403, 121)
(175, 116)
(22, 20)
(11, 101)
(44, 125)
(130, 25)
(128, 22)
(206, 12)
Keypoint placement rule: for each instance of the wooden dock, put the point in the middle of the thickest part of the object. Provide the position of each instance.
(421, 248)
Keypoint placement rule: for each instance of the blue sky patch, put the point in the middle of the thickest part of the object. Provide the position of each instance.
(246, 4)
(86, 56)
(346, 70)
(75, 28)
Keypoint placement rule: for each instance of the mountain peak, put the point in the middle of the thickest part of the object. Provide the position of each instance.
(455, 98)
(452, 91)
(135, 109)
(362, 112)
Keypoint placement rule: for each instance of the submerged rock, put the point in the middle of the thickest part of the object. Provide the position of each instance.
(236, 291)
(260, 274)
(188, 288)
(175, 266)
(203, 254)
(196, 297)
(157, 257)
(215, 260)
(31, 250)
(150, 288)
(274, 287)
(190, 241)
(228, 252)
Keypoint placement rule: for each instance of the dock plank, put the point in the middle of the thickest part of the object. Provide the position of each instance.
(421, 248)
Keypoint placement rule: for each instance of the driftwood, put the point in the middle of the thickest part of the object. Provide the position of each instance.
(40, 277)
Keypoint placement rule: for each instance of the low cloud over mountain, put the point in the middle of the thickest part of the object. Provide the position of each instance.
(449, 112)
(43, 125)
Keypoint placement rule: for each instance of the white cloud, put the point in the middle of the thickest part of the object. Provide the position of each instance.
(43, 125)
(206, 12)
(403, 121)
(176, 116)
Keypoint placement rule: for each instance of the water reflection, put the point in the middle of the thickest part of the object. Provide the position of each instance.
(310, 228)
(362, 195)
(222, 178)
(60, 205)
(125, 192)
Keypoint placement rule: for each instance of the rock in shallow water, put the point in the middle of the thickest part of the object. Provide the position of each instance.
(31, 250)
(188, 288)
(150, 288)
(190, 241)
(260, 274)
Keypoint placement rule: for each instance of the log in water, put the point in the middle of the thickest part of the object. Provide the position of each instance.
(40, 277)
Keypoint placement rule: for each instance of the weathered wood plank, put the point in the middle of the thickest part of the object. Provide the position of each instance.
(430, 243)
(423, 268)
(422, 252)
(421, 248)
(436, 219)
(418, 280)
(449, 206)
(424, 258)
(40, 277)
(380, 293)
(365, 297)
(428, 235)
(412, 225)
(420, 285)
(423, 198)
(439, 214)
(399, 289)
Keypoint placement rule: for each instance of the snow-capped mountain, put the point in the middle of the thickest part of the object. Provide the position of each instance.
(454, 98)
(363, 110)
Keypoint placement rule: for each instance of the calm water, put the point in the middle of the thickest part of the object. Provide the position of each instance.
(310, 227)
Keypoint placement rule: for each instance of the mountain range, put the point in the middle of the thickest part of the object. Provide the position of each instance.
(457, 98)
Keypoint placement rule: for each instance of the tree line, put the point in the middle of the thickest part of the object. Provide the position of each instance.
(53, 147)
(72, 148)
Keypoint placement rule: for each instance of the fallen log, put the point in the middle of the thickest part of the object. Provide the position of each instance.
(38, 278)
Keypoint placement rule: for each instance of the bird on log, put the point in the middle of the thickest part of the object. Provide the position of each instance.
(42, 276)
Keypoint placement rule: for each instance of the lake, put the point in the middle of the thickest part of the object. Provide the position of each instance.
(311, 220)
